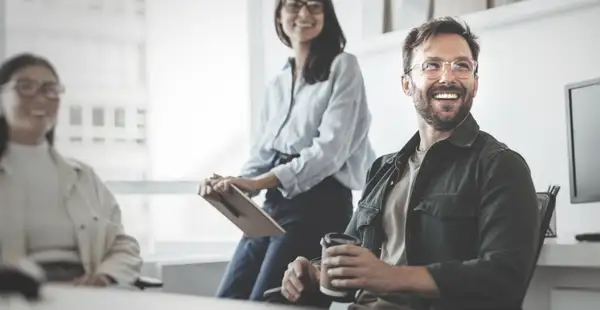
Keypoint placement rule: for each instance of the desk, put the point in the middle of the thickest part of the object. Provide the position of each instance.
(567, 276)
(58, 297)
(568, 252)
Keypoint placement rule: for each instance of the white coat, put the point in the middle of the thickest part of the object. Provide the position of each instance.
(103, 245)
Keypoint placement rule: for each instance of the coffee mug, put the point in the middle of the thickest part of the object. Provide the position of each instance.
(329, 240)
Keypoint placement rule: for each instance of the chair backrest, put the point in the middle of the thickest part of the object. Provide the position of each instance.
(546, 205)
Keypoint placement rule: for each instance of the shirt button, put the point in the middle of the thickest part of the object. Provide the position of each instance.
(82, 227)
(96, 218)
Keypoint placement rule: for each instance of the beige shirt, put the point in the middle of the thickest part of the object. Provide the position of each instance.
(394, 224)
(102, 244)
(49, 230)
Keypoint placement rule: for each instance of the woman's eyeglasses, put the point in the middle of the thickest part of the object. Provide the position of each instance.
(294, 6)
(30, 89)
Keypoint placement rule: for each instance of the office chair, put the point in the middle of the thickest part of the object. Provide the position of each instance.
(546, 205)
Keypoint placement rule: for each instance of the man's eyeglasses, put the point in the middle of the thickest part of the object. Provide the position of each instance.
(30, 89)
(294, 6)
(433, 69)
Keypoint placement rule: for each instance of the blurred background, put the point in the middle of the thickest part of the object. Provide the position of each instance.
(162, 93)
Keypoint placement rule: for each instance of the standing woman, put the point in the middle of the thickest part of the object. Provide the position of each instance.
(313, 149)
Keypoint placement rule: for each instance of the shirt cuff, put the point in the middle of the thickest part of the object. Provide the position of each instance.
(286, 178)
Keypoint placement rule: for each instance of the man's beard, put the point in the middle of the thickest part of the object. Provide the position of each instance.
(423, 104)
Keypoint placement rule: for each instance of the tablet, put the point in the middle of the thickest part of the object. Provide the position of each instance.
(246, 215)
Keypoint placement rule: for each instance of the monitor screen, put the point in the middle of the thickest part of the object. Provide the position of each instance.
(583, 111)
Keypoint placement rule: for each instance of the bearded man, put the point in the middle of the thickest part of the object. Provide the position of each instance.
(451, 220)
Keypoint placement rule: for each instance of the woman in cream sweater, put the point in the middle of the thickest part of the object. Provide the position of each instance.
(53, 210)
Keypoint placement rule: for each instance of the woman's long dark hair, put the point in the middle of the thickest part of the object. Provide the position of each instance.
(7, 70)
(323, 49)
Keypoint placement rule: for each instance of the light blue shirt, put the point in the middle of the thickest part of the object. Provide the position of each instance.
(326, 123)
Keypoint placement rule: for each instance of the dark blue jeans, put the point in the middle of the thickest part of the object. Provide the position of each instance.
(259, 263)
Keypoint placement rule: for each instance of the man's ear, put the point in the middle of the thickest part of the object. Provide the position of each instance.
(475, 86)
(407, 85)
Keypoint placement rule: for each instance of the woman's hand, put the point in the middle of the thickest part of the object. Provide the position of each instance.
(207, 187)
(216, 185)
(246, 185)
(97, 280)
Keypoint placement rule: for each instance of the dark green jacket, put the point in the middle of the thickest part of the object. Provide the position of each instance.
(472, 219)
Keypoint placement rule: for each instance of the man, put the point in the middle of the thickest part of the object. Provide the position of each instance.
(451, 220)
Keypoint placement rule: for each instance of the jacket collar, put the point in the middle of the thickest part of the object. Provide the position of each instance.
(463, 136)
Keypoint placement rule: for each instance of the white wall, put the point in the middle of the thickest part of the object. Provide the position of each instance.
(198, 73)
(525, 64)
(198, 82)
(524, 67)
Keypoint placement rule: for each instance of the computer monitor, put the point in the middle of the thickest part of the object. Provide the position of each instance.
(583, 132)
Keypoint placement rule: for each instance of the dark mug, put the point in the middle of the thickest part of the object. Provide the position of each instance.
(329, 240)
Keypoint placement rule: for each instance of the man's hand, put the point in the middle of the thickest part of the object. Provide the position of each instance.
(97, 280)
(351, 266)
(301, 276)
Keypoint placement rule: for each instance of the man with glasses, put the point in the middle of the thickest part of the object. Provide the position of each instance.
(448, 222)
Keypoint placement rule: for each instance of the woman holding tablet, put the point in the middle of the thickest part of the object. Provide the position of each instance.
(313, 149)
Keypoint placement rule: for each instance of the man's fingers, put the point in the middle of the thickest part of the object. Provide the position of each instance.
(344, 272)
(287, 288)
(296, 283)
(348, 283)
(293, 293)
(293, 274)
(341, 261)
(347, 250)
(289, 296)
(298, 268)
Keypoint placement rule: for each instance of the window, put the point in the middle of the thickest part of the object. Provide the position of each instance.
(75, 139)
(140, 7)
(95, 5)
(146, 112)
(98, 117)
(120, 117)
(75, 116)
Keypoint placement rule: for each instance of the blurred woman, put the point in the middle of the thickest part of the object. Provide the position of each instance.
(55, 211)
(312, 149)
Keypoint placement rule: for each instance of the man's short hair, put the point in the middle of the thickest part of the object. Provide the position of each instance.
(442, 25)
